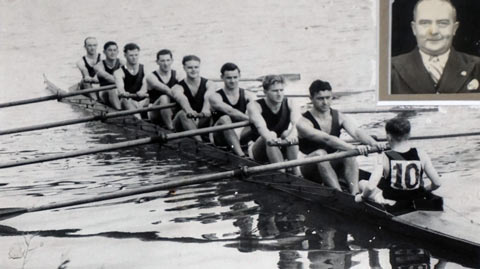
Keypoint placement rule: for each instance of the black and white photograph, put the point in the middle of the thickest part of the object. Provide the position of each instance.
(237, 134)
(435, 49)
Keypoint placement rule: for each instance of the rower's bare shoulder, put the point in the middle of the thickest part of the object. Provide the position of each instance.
(80, 64)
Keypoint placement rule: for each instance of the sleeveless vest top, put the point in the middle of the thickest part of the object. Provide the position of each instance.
(241, 104)
(278, 122)
(101, 80)
(133, 83)
(404, 180)
(91, 71)
(196, 102)
(307, 146)
(154, 95)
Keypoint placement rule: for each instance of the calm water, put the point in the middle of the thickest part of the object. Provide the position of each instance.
(222, 225)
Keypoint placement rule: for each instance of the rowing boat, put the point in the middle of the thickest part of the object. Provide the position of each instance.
(442, 230)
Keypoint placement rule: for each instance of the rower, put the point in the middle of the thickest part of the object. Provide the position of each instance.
(229, 105)
(319, 130)
(397, 178)
(86, 64)
(130, 81)
(191, 94)
(159, 87)
(274, 118)
(106, 68)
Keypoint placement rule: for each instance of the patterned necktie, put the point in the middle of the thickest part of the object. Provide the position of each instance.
(435, 69)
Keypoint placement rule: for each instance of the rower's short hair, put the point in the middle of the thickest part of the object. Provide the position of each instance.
(398, 127)
(190, 58)
(270, 80)
(454, 10)
(229, 67)
(318, 86)
(130, 46)
(87, 38)
(108, 44)
(164, 52)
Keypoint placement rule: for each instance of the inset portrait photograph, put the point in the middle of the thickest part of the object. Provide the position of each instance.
(434, 51)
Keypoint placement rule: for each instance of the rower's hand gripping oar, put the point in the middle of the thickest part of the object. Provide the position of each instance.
(99, 117)
(244, 171)
(56, 96)
(289, 76)
(127, 144)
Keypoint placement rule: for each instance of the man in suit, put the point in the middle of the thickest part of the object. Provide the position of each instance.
(435, 66)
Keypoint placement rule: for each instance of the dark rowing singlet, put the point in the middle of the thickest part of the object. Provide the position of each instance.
(91, 71)
(103, 81)
(153, 94)
(307, 146)
(404, 180)
(196, 102)
(277, 123)
(133, 83)
(241, 104)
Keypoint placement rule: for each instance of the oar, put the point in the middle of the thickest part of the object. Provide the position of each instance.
(56, 96)
(127, 144)
(6, 213)
(100, 117)
(390, 110)
(290, 77)
(424, 137)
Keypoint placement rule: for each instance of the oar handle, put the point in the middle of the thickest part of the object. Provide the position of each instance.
(200, 115)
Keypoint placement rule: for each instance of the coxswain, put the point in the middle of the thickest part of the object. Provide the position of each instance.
(319, 131)
(397, 178)
(229, 105)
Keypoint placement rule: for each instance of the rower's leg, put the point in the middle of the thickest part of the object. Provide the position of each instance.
(92, 95)
(230, 136)
(292, 154)
(181, 120)
(325, 171)
(166, 114)
(351, 174)
(113, 99)
(262, 152)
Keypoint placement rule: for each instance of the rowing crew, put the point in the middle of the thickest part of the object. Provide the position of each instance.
(397, 176)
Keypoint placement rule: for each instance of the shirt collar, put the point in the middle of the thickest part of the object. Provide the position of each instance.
(442, 57)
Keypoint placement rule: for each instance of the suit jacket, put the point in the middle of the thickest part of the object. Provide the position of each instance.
(460, 75)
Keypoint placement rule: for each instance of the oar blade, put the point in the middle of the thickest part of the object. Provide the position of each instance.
(10, 212)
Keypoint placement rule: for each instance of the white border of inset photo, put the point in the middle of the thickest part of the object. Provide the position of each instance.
(395, 37)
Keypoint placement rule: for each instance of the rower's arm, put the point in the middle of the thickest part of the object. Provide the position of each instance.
(306, 130)
(255, 115)
(217, 104)
(430, 171)
(206, 99)
(155, 85)
(181, 99)
(351, 127)
(118, 75)
(142, 93)
(291, 132)
(102, 73)
(376, 175)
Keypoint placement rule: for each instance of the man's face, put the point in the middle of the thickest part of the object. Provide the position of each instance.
(91, 46)
(275, 93)
(132, 56)
(192, 68)
(165, 62)
(231, 78)
(111, 52)
(434, 27)
(322, 101)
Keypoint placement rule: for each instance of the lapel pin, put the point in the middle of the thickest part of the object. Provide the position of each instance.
(464, 73)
